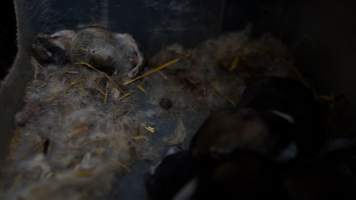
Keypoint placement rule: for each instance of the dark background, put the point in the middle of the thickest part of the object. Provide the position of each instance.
(320, 33)
(8, 47)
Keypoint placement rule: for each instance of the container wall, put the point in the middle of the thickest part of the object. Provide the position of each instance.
(154, 23)
(34, 16)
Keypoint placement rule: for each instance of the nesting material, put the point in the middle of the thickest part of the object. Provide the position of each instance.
(80, 128)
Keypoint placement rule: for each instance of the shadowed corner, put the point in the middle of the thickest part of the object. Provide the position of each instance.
(12, 79)
(7, 37)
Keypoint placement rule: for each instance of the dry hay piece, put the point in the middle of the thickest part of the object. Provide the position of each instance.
(214, 73)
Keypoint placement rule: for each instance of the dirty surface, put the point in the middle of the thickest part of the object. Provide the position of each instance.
(85, 135)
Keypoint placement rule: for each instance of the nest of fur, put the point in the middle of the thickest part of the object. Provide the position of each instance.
(80, 129)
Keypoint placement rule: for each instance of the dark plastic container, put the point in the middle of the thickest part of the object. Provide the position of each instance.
(320, 34)
(154, 24)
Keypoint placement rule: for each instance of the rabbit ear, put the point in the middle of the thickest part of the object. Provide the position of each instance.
(128, 41)
(125, 37)
(69, 34)
(136, 58)
(134, 72)
(62, 39)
